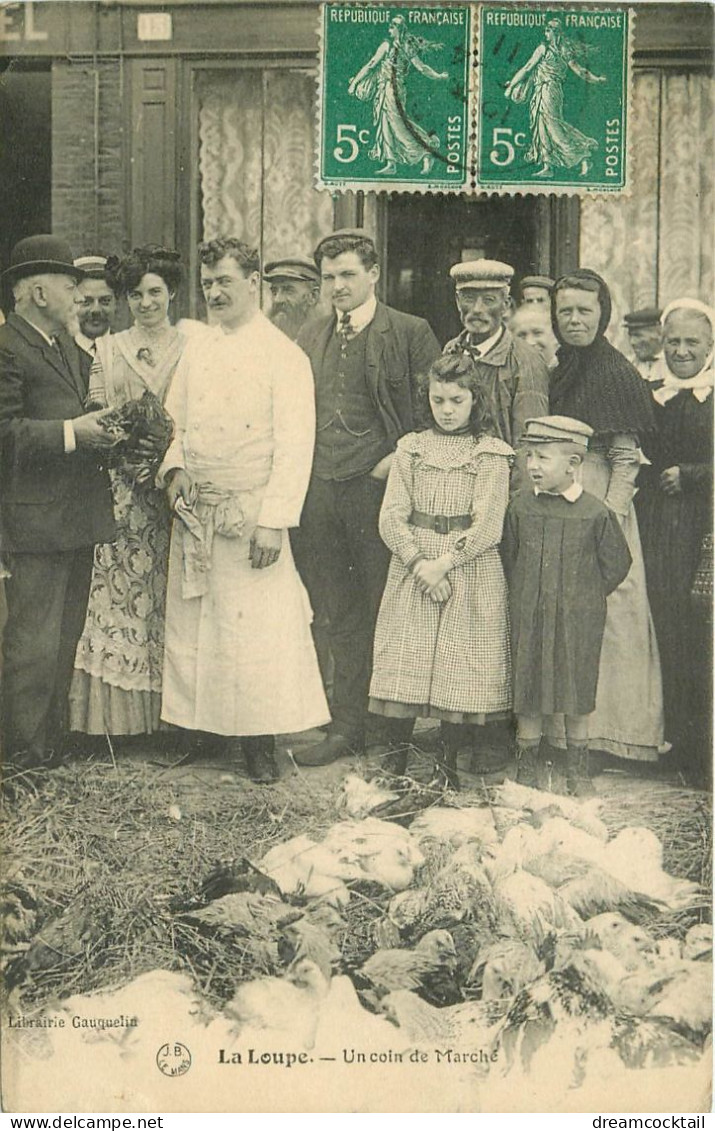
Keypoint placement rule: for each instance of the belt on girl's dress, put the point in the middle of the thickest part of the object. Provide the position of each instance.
(440, 523)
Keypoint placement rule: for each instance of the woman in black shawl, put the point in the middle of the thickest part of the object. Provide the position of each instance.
(595, 383)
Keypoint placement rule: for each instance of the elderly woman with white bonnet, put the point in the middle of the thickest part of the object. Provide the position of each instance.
(674, 508)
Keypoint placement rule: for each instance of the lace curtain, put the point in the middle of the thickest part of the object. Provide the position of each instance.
(256, 150)
(657, 245)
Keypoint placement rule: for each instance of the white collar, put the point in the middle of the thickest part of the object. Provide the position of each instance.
(86, 343)
(361, 316)
(50, 341)
(701, 385)
(482, 348)
(571, 494)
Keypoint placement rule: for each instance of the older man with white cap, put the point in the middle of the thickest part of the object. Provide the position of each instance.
(516, 376)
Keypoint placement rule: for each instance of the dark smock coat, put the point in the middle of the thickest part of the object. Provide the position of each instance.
(561, 559)
(672, 529)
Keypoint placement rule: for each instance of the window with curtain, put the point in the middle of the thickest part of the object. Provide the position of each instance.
(657, 245)
(256, 152)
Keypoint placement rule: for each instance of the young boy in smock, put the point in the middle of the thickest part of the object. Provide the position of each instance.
(563, 553)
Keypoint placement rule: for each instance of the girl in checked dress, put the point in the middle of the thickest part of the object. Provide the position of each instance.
(442, 636)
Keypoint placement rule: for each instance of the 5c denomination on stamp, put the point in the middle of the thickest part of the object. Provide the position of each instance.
(552, 107)
(395, 97)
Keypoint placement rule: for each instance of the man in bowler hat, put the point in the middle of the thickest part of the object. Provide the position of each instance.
(365, 358)
(55, 501)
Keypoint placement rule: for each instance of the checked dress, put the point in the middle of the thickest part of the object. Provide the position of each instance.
(450, 661)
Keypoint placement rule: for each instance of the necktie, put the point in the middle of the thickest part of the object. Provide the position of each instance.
(346, 328)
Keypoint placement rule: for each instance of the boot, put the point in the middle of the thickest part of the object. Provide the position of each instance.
(259, 752)
(397, 739)
(578, 777)
(451, 735)
(527, 764)
(490, 749)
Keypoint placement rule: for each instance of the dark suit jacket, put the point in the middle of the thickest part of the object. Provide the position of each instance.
(48, 500)
(399, 348)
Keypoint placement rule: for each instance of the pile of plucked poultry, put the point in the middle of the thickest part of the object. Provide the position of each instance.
(514, 933)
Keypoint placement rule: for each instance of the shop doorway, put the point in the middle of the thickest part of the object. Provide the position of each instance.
(426, 235)
(25, 154)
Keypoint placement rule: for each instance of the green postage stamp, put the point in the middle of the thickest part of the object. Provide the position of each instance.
(476, 97)
(395, 87)
(553, 98)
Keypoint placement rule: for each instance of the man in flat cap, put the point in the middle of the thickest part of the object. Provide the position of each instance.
(55, 502)
(294, 284)
(96, 301)
(646, 337)
(365, 357)
(536, 290)
(515, 375)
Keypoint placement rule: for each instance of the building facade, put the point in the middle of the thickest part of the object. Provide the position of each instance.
(124, 123)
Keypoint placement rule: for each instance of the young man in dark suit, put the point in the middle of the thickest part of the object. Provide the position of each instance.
(55, 501)
(365, 358)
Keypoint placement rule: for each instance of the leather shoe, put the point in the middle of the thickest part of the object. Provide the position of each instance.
(260, 759)
(332, 747)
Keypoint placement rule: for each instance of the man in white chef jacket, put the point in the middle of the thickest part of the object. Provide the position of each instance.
(239, 658)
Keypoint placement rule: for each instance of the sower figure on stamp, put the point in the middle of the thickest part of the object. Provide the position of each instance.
(55, 502)
(239, 657)
(366, 358)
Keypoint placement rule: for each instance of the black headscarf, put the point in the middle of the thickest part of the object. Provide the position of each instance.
(596, 383)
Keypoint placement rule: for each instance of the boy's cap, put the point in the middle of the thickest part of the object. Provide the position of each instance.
(542, 281)
(483, 274)
(557, 430)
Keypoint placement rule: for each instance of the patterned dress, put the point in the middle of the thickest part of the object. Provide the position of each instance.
(116, 687)
(450, 661)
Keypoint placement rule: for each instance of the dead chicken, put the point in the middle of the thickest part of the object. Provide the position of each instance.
(427, 968)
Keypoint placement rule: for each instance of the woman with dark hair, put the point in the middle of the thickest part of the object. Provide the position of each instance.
(442, 636)
(594, 382)
(674, 508)
(116, 687)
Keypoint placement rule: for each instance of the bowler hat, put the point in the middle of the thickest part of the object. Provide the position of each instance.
(41, 255)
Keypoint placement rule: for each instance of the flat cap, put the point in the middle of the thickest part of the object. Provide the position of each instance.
(345, 233)
(645, 316)
(482, 274)
(556, 430)
(292, 267)
(543, 281)
(91, 263)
